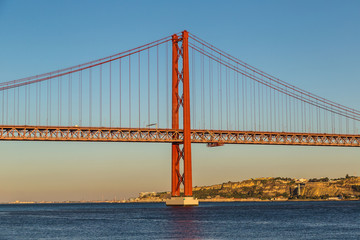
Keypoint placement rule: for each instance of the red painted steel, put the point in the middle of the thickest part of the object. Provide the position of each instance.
(177, 101)
(175, 156)
(159, 135)
(186, 115)
(180, 137)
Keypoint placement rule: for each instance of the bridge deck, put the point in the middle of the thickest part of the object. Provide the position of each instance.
(91, 134)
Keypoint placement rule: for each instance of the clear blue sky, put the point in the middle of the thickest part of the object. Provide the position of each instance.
(311, 44)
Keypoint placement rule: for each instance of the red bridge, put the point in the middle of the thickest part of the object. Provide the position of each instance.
(143, 95)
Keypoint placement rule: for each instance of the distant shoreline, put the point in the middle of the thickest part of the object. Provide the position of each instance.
(266, 189)
(200, 200)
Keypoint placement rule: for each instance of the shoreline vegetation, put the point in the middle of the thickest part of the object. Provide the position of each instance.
(271, 189)
(255, 190)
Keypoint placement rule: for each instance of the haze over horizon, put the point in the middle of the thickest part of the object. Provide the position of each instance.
(312, 45)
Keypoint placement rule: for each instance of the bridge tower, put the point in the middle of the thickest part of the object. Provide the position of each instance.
(181, 152)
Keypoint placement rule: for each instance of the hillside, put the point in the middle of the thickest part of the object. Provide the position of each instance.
(273, 189)
(288, 188)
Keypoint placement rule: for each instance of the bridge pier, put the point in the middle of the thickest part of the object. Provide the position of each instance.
(179, 101)
(182, 201)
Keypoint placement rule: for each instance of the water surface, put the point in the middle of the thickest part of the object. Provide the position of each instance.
(242, 220)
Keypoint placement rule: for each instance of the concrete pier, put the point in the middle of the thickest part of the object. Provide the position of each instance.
(182, 201)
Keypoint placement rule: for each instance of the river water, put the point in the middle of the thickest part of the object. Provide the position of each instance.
(241, 220)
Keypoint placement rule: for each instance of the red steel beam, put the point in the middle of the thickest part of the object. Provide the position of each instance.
(175, 148)
(186, 115)
(93, 134)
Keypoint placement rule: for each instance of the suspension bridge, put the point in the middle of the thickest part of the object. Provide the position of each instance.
(143, 95)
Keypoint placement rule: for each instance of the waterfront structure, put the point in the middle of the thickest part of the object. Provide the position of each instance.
(232, 103)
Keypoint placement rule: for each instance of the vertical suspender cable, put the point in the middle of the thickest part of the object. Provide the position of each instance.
(194, 89)
(246, 103)
(48, 97)
(14, 104)
(267, 109)
(157, 84)
(7, 107)
(50, 90)
(210, 92)
(70, 100)
(286, 110)
(318, 119)
(80, 98)
(305, 119)
(278, 110)
(36, 102)
(47, 101)
(39, 103)
(110, 93)
(2, 107)
(341, 124)
(270, 103)
(120, 92)
(90, 97)
(235, 102)
(25, 103)
(302, 113)
(259, 105)
(202, 91)
(227, 96)
(18, 105)
(221, 117)
(243, 101)
(139, 89)
(29, 104)
(219, 101)
(59, 101)
(354, 127)
(254, 108)
(130, 91)
(100, 94)
(295, 117)
(149, 106)
(238, 100)
(167, 84)
(290, 113)
(251, 103)
(282, 113)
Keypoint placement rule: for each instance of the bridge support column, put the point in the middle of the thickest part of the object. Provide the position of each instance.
(176, 178)
(179, 154)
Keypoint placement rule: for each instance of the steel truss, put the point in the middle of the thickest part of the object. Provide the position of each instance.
(91, 134)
